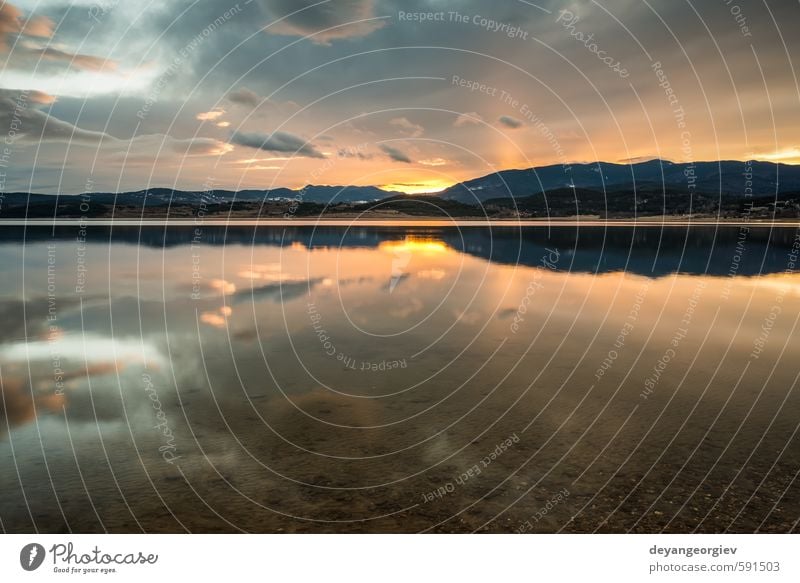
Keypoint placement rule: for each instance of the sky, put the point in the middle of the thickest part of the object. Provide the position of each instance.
(111, 96)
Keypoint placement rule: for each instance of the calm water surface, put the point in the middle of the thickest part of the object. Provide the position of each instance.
(377, 379)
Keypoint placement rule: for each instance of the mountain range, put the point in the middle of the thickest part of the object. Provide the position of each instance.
(166, 196)
(601, 180)
(729, 178)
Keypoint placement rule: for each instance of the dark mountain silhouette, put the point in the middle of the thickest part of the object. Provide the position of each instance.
(656, 187)
(169, 196)
(729, 178)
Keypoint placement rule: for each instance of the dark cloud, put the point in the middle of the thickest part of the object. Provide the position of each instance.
(510, 122)
(18, 112)
(245, 96)
(281, 142)
(395, 154)
(328, 21)
(357, 153)
(201, 147)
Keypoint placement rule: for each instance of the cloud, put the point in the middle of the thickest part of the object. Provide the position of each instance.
(74, 60)
(395, 154)
(277, 142)
(407, 128)
(510, 122)
(218, 320)
(29, 53)
(31, 96)
(109, 102)
(210, 115)
(277, 292)
(162, 151)
(245, 96)
(467, 119)
(12, 22)
(356, 152)
(22, 402)
(307, 19)
(18, 111)
(201, 147)
(433, 162)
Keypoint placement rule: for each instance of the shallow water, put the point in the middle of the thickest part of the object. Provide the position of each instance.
(399, 379)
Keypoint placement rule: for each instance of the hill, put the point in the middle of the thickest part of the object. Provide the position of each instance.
(731, 178)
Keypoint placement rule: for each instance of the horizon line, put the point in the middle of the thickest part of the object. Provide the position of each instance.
(385, 187)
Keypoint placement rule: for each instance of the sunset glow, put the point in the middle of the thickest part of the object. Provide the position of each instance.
(421, 187)
(376, 103)
(416, 246)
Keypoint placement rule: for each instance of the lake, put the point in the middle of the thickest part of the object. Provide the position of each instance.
(279, 378)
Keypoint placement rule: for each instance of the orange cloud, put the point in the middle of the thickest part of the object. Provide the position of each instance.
(13, 23)
(210, 115)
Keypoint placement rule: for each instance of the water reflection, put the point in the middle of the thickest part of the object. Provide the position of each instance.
(650, 251)
(330, 379)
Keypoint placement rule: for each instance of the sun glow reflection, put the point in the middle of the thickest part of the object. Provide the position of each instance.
(422, 187)
(415, 245)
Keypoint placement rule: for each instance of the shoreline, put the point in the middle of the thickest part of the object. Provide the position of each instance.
(404, 222)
